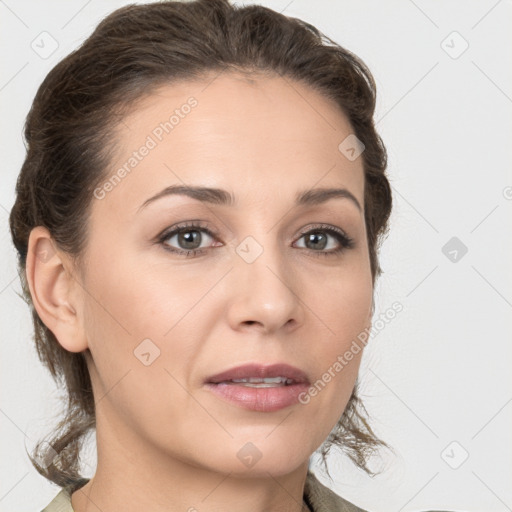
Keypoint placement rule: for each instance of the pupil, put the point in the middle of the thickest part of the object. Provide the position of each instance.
(313, 237)
(188, 240)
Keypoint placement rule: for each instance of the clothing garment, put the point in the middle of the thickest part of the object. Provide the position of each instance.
(318, 498)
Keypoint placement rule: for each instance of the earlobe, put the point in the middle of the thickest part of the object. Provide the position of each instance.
(53, 289)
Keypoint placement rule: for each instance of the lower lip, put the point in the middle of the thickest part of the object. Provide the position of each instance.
(259, 399)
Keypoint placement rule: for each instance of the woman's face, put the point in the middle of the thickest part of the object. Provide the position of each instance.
(160, 324)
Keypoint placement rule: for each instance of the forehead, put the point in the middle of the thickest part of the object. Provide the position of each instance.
(258, 136)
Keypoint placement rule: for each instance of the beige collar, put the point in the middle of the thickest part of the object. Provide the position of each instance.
(317, 497)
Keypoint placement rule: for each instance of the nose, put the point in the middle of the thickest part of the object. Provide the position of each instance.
(267, 290)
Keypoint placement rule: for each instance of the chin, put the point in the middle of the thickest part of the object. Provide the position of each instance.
(274, 466)
(257, 456)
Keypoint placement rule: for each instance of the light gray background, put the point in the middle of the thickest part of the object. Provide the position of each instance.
(440, 371)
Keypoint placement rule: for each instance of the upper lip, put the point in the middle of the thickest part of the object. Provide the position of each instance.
(259, 370)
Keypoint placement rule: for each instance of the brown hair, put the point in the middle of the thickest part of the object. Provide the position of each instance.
(131, 52)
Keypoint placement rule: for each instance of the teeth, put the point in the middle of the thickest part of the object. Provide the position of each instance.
(258, 382)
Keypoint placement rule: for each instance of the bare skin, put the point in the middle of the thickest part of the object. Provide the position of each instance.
(165, 441)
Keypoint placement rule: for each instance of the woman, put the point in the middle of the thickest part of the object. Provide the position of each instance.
(197, 221)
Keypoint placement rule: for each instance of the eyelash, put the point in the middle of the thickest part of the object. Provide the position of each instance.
(344, 240)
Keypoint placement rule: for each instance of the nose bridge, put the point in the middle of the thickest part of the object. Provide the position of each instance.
(267, 292)
(263, 260)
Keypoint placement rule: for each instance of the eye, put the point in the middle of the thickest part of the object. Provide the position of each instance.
(316, 240)
(188, 237)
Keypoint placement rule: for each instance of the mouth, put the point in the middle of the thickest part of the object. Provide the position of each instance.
(254, 375)
(256, 382)
(258, 387)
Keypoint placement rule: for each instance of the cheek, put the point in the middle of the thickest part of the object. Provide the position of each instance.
(133, 309)
(344, 308)
(136, 300)
(345, 305)
(138, 369)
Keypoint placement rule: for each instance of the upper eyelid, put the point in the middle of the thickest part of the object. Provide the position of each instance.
(202, 226)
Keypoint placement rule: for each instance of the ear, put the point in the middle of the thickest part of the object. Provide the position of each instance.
(56, 294)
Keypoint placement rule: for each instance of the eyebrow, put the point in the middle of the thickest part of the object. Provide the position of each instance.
(218, 196)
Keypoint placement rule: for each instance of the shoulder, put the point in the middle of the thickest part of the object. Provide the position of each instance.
(62, 501)
(321, 499)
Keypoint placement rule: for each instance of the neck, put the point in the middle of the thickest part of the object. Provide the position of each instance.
(132, 475)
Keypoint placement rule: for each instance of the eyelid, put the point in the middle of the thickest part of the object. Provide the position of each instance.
(191, 225)
(329, 228)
